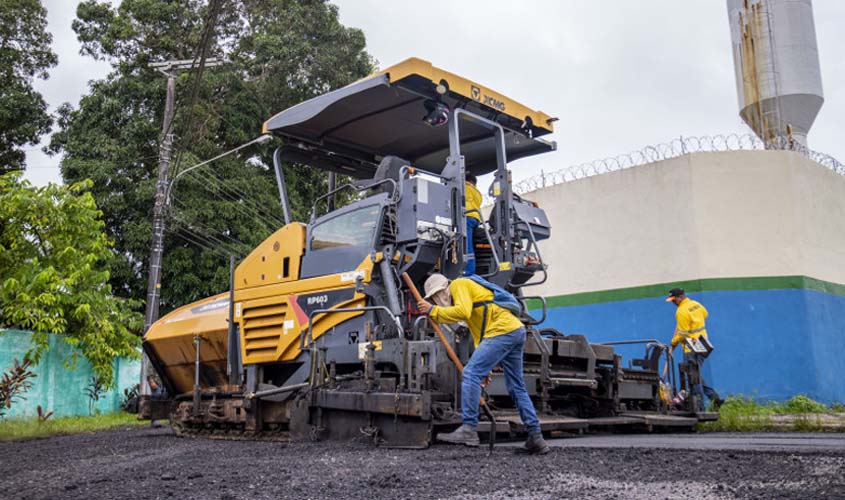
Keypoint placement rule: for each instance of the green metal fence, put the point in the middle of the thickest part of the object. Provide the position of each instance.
(58, 387)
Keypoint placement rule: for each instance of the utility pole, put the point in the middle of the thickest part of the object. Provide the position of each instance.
(169, 69)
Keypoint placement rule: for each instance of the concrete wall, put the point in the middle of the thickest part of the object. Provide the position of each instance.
(705, 215)
(59, 387)
(757, 236)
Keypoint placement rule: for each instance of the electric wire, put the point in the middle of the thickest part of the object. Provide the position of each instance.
(180, 215)
(206, 240)
(193, 239)
(209, 230)
(190, 238)
(201, 54)
(211, 233)
(225, 189)
(251, 215)
(199, 238)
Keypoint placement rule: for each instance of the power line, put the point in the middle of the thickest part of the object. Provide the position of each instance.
(229, 187)
(209, 230)
(193, 239)
(245, 211)
(210, 242)
(236, 195)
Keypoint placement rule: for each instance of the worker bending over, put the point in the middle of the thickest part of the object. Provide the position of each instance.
(499, 339)
(690, 316)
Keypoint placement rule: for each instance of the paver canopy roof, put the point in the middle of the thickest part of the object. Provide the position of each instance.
(350, 129)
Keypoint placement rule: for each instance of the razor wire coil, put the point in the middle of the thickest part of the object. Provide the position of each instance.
(675, 148)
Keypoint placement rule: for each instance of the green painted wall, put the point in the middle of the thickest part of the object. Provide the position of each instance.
(693, 286)
(58, 387)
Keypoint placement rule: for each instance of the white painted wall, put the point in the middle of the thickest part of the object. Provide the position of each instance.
(704, 215)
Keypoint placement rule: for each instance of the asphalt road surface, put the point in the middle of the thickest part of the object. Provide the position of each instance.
(800, 442)
(152, 463)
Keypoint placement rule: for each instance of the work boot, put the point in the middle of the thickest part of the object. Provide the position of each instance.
(717, 403)
(465, 434)
(534, 445)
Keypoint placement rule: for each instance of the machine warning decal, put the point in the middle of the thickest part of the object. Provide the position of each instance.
(323, 300)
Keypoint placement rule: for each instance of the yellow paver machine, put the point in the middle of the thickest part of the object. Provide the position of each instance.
(319, 336)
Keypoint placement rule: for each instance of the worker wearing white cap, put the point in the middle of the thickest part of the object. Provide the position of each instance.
(499, 338)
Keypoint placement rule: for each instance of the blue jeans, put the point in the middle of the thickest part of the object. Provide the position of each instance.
(472, 225)
(701, 389)
(505, 350)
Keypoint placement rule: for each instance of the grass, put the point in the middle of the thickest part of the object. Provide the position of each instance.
(800, 413)
(17, 429)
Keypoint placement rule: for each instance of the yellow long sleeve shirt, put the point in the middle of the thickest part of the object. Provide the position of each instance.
(465, 293)
(689, 318)
(474, 199)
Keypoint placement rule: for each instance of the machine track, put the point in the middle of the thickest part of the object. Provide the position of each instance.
(228, 434)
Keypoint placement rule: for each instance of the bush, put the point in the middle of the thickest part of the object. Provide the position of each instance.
(14, 383)
(743, 414)
(803, 404)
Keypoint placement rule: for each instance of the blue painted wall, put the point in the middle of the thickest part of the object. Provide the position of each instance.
(770, 344)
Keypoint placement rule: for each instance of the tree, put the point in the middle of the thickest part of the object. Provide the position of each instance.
(24, 55)
(278, 53)
(54, 272)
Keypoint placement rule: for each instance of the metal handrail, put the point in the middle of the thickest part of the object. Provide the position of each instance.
(486, 231)
(392, 197)
(539, 257)
(310, 336)
(542, 299)
(418, 325)
(638, 341)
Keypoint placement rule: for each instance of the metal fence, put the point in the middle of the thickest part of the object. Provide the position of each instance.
(673, 149)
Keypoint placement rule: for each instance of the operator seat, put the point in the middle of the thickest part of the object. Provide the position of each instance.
(390, 167)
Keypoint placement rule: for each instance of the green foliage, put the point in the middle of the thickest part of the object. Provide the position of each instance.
(744, 414)
(94, 391)
(278, 53)
(54, 264)
(740, 405)
(129, 404)
(18, 429)
(14, 383)
(803, 404)
(24, 55)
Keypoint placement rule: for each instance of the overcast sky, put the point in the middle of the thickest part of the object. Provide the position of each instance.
(619, 74)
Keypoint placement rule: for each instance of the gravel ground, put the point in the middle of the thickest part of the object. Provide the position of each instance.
(152, 463)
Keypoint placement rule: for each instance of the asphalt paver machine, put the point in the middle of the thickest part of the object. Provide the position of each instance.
(319, 337)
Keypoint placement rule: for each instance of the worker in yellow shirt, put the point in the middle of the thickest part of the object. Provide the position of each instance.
(473, 215)
(499, 338)
(690, 317)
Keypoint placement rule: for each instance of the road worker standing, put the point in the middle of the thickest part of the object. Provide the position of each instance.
(473, 219)
(499, 337)
(690, 330)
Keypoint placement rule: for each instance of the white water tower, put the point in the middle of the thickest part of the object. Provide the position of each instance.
(776, 59)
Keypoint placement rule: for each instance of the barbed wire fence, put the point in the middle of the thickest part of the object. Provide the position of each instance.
(673, 149)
